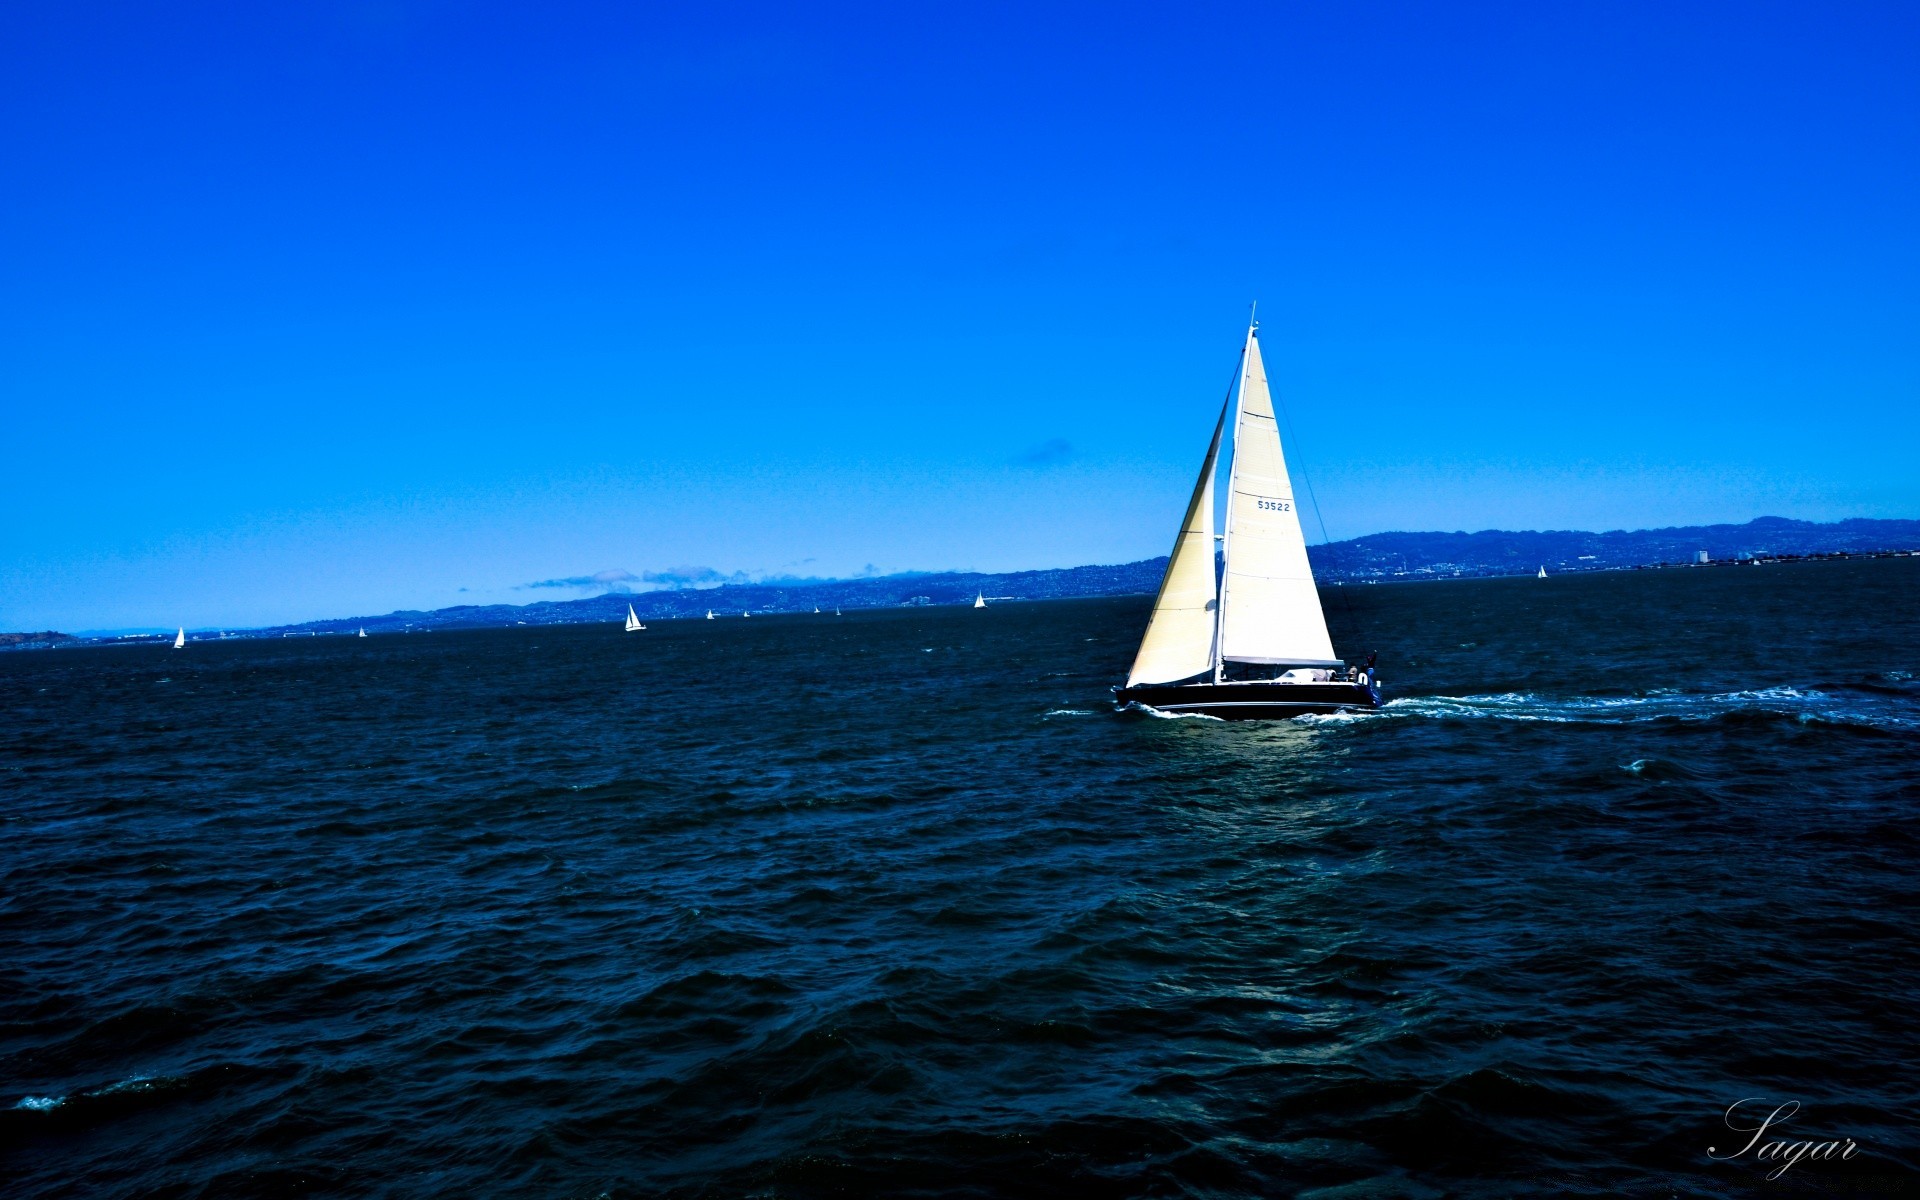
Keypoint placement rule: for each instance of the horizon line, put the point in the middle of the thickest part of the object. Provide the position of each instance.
(820, 581)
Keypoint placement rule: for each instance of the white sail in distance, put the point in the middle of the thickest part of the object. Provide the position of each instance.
(980, 600)
(1269, 608)
(1179, 639)
(633, 622)
(180, 639)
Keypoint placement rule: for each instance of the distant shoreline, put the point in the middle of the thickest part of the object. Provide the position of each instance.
(382, 626)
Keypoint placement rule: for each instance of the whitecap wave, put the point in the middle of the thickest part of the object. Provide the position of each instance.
(1151, 711)
(133, 1083)
(1807, 705)
(1345, 716)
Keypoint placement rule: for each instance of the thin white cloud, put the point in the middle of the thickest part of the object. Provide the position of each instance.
(1049, 453)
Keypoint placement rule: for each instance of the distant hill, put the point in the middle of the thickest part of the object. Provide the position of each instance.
(1500, 552)
(28, 641)
(730, 600)
(1380, 556)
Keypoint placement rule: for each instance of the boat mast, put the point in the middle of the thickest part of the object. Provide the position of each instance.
(1226, 539)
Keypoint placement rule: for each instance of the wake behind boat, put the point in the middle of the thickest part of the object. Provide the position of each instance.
(1248, 640)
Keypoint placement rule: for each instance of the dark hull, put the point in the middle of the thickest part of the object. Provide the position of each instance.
(1252, 701)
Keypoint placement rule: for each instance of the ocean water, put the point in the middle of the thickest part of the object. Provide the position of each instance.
(896, 904)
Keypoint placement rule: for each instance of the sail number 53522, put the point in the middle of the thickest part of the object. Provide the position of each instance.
(1276, 505)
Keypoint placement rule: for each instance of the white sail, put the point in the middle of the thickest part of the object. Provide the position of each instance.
(1543, 571)
(363, 633)
(709, 614)
(1179, 639)
(633, 622)
(816, 610)
(980, 600)
(1269, 609)
(180, 639)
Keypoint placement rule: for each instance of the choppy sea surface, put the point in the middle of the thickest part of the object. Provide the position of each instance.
(896, 904)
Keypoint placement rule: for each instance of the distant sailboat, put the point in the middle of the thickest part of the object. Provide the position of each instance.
(180, 639)
(816, 610)
(363, 633)
(1543, 572)
(633, 622)
(979, 599)
(746, 614)
(1254, 643)
(836, 610)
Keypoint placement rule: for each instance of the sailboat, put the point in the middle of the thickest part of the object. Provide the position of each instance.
(709, 614)
(1250, 639)
(1543, 571)
(363, 633)
(633, 622)
(816, 610)
(180, 639)
(980, 600)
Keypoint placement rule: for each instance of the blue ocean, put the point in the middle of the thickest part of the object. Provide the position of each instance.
(896, 904)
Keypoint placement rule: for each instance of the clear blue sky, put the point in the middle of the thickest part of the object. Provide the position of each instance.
(321, 309)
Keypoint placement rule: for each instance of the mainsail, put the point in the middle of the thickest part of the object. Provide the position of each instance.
(1179, 640)
(1269, 608)
(1242, 637)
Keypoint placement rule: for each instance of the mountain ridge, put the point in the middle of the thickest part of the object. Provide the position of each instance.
(1379, 557)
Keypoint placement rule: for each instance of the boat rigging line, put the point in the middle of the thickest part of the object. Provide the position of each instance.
(1306, 477)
